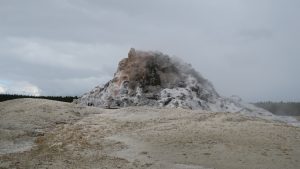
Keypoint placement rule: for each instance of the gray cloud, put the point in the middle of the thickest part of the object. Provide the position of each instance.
(255, 34)
(64, 47)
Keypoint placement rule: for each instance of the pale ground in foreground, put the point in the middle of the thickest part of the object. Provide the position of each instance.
(49, 134)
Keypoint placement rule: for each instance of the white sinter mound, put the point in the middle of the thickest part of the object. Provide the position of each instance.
(157, 80)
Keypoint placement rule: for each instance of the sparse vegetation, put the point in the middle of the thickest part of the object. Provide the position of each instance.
(281, 108)
(4, 97)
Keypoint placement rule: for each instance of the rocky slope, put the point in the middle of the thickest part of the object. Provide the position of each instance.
(155, 79)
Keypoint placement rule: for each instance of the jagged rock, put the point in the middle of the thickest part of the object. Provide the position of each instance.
(155, 79)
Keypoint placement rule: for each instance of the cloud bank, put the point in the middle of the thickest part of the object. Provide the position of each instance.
(66, 47)
(23, 88)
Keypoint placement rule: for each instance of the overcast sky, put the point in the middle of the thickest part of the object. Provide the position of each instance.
(249, 48)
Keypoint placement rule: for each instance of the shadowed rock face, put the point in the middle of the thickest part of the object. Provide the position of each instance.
(155, 79)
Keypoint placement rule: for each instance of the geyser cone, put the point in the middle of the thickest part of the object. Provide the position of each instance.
(155, 79)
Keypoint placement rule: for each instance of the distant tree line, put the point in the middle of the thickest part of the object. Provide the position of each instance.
(281, 108)
(4, 97)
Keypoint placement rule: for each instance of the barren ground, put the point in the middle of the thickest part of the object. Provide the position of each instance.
(50, 134)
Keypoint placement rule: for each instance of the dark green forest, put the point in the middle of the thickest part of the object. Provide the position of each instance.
(4, 97)
(281, 108)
